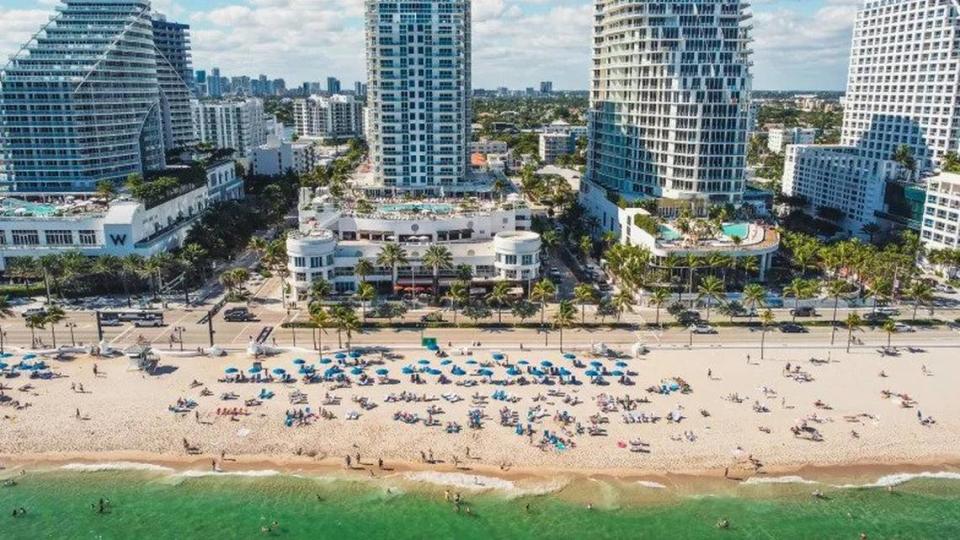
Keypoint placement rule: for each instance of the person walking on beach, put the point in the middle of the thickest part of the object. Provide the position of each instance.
(349, 463)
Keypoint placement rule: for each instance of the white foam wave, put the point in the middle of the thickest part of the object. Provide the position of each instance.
(462, 481)
(757, 480)
(115, 466)
(651, 485)
(250, 474)
(902, 478)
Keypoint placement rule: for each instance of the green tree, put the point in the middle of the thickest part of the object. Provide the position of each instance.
(853, 322)
(889, 326)
(366, 293)
(754, 296)
(523, 310)
(623, 302)
(35, 322)
(499, 297)
(564, 317)
(711, 288)
(320, 289)
(55, 315)
(921, 293)
(392, 255)
(346, 321)
(321, 320)
(800, 289)
(541, 293)
(584, 293)
(438, 258)
(363, 269)
(457, 294)
(658, 298)
(836, 289)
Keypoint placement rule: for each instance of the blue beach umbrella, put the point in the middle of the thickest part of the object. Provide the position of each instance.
(498, 356)
(617, 373)
(546, 363)
(300, 361)
(446, 362)
(356, 371)
(29, 356)
(434, 371)
(340, 356)
(472, 362)
(231, 370)
(591, 373)
(254, 370)
(279, 371)
(408, 370)
(325, 360)
(570, 356)
(621, 364)
(485, 372)
(355, 354)
(433, 347)
(424, 362)
(513, 372)
(6, 355)
(383, 371)
(596, 364)
(523, 363)
(458, 371)
(3, 365)
(564, 372)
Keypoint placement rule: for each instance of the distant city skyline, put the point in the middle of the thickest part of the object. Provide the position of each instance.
(799, 44)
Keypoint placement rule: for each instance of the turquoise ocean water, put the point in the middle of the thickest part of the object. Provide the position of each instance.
(149, 505)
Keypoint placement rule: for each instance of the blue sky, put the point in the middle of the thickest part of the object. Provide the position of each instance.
(799, 44)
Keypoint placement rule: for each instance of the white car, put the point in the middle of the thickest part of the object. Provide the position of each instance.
(148, 323)
(903, 327)
(702, 329)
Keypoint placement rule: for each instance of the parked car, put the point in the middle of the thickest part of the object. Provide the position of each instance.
(34, 311)
(903, 327)
(111, 322)
(702, 328)
(887, 310)
(238, 314)
(148, 323)
(793, 328)
(689, 317)
(875, 317)
(803, 311)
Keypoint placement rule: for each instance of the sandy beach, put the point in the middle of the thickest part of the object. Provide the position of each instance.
(740, 416)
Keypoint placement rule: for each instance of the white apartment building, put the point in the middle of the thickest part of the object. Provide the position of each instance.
(279, 157)
(670, 98)
(235, 124)
(418, 66)
(561, 126)
(494, 240)
(941, 213)
(903, 87)
(123, 227)
(336, 116)
(554, 145)
(839, 177)
(779, 138)
(488, 146)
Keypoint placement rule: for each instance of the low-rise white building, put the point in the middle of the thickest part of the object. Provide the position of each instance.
(941, 213)
(778, 139)
(279, 157)
(488, 146)
(336, 116)
(239, 125)
(493, 239)
(122, 227)
(839, 177)
(554, 145)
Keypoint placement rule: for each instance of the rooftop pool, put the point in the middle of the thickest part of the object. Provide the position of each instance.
(16, 207)
(418, 208)
(741, 230)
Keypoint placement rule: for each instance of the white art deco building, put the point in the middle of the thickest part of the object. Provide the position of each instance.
(90, 97)
(328, 116)
(669, 99)
(418, 67)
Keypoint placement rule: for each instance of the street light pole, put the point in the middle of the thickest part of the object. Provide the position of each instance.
(179, 330)
(210, 326)
(2, 335)
(99, 329)
(71, 326)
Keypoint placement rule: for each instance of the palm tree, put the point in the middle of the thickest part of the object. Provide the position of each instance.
(799, 289)
(584, 293)
(347, 322)
(132, 266)
(321, 319)
(438, 258)
(258, 246)
(35, 322)
(54, 316)
(363, 269)
(320, 289)
(49, 266)
(585, 245)
(836, 289)
(693, 262)
(194, 257)
(499, 297)
(889, 326)
(754, 296)
(922, 293)
(523, 310)
(366, 293)
(658, 298)
(392, 255)
(853, 323)
(711, 288)
(564, 317)
(457, 294)
(623, 302)
(766, 319)
(670, 263)
(541, 293)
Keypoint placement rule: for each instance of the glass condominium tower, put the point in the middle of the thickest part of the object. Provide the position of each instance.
(418, 68)
(90, 97)
(670, 98)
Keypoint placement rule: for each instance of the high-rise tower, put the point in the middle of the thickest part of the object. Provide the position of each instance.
(669, 98)
(418, 66)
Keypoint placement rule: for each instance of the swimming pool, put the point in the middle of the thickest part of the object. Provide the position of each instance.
(15, 207)
(412, 208)
(668, 234)
(736, 229)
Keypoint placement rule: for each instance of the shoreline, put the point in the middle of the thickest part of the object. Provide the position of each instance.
(486, 478)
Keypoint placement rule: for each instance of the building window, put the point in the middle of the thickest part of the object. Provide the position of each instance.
(25, 238)
(299, 262)
(3, 238)
(527, 260)
(59, 238)
(316, 262)
(329, 260)
(88, 238)
(300, 276)
(510, 259)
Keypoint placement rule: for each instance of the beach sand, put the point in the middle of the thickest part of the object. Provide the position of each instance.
(125, 417)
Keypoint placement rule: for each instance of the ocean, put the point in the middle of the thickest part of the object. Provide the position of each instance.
(147, 504)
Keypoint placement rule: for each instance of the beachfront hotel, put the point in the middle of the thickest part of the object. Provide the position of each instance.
(669, 113)
(59, 132)
(418, 68)
(417, 189)
(902, 91)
